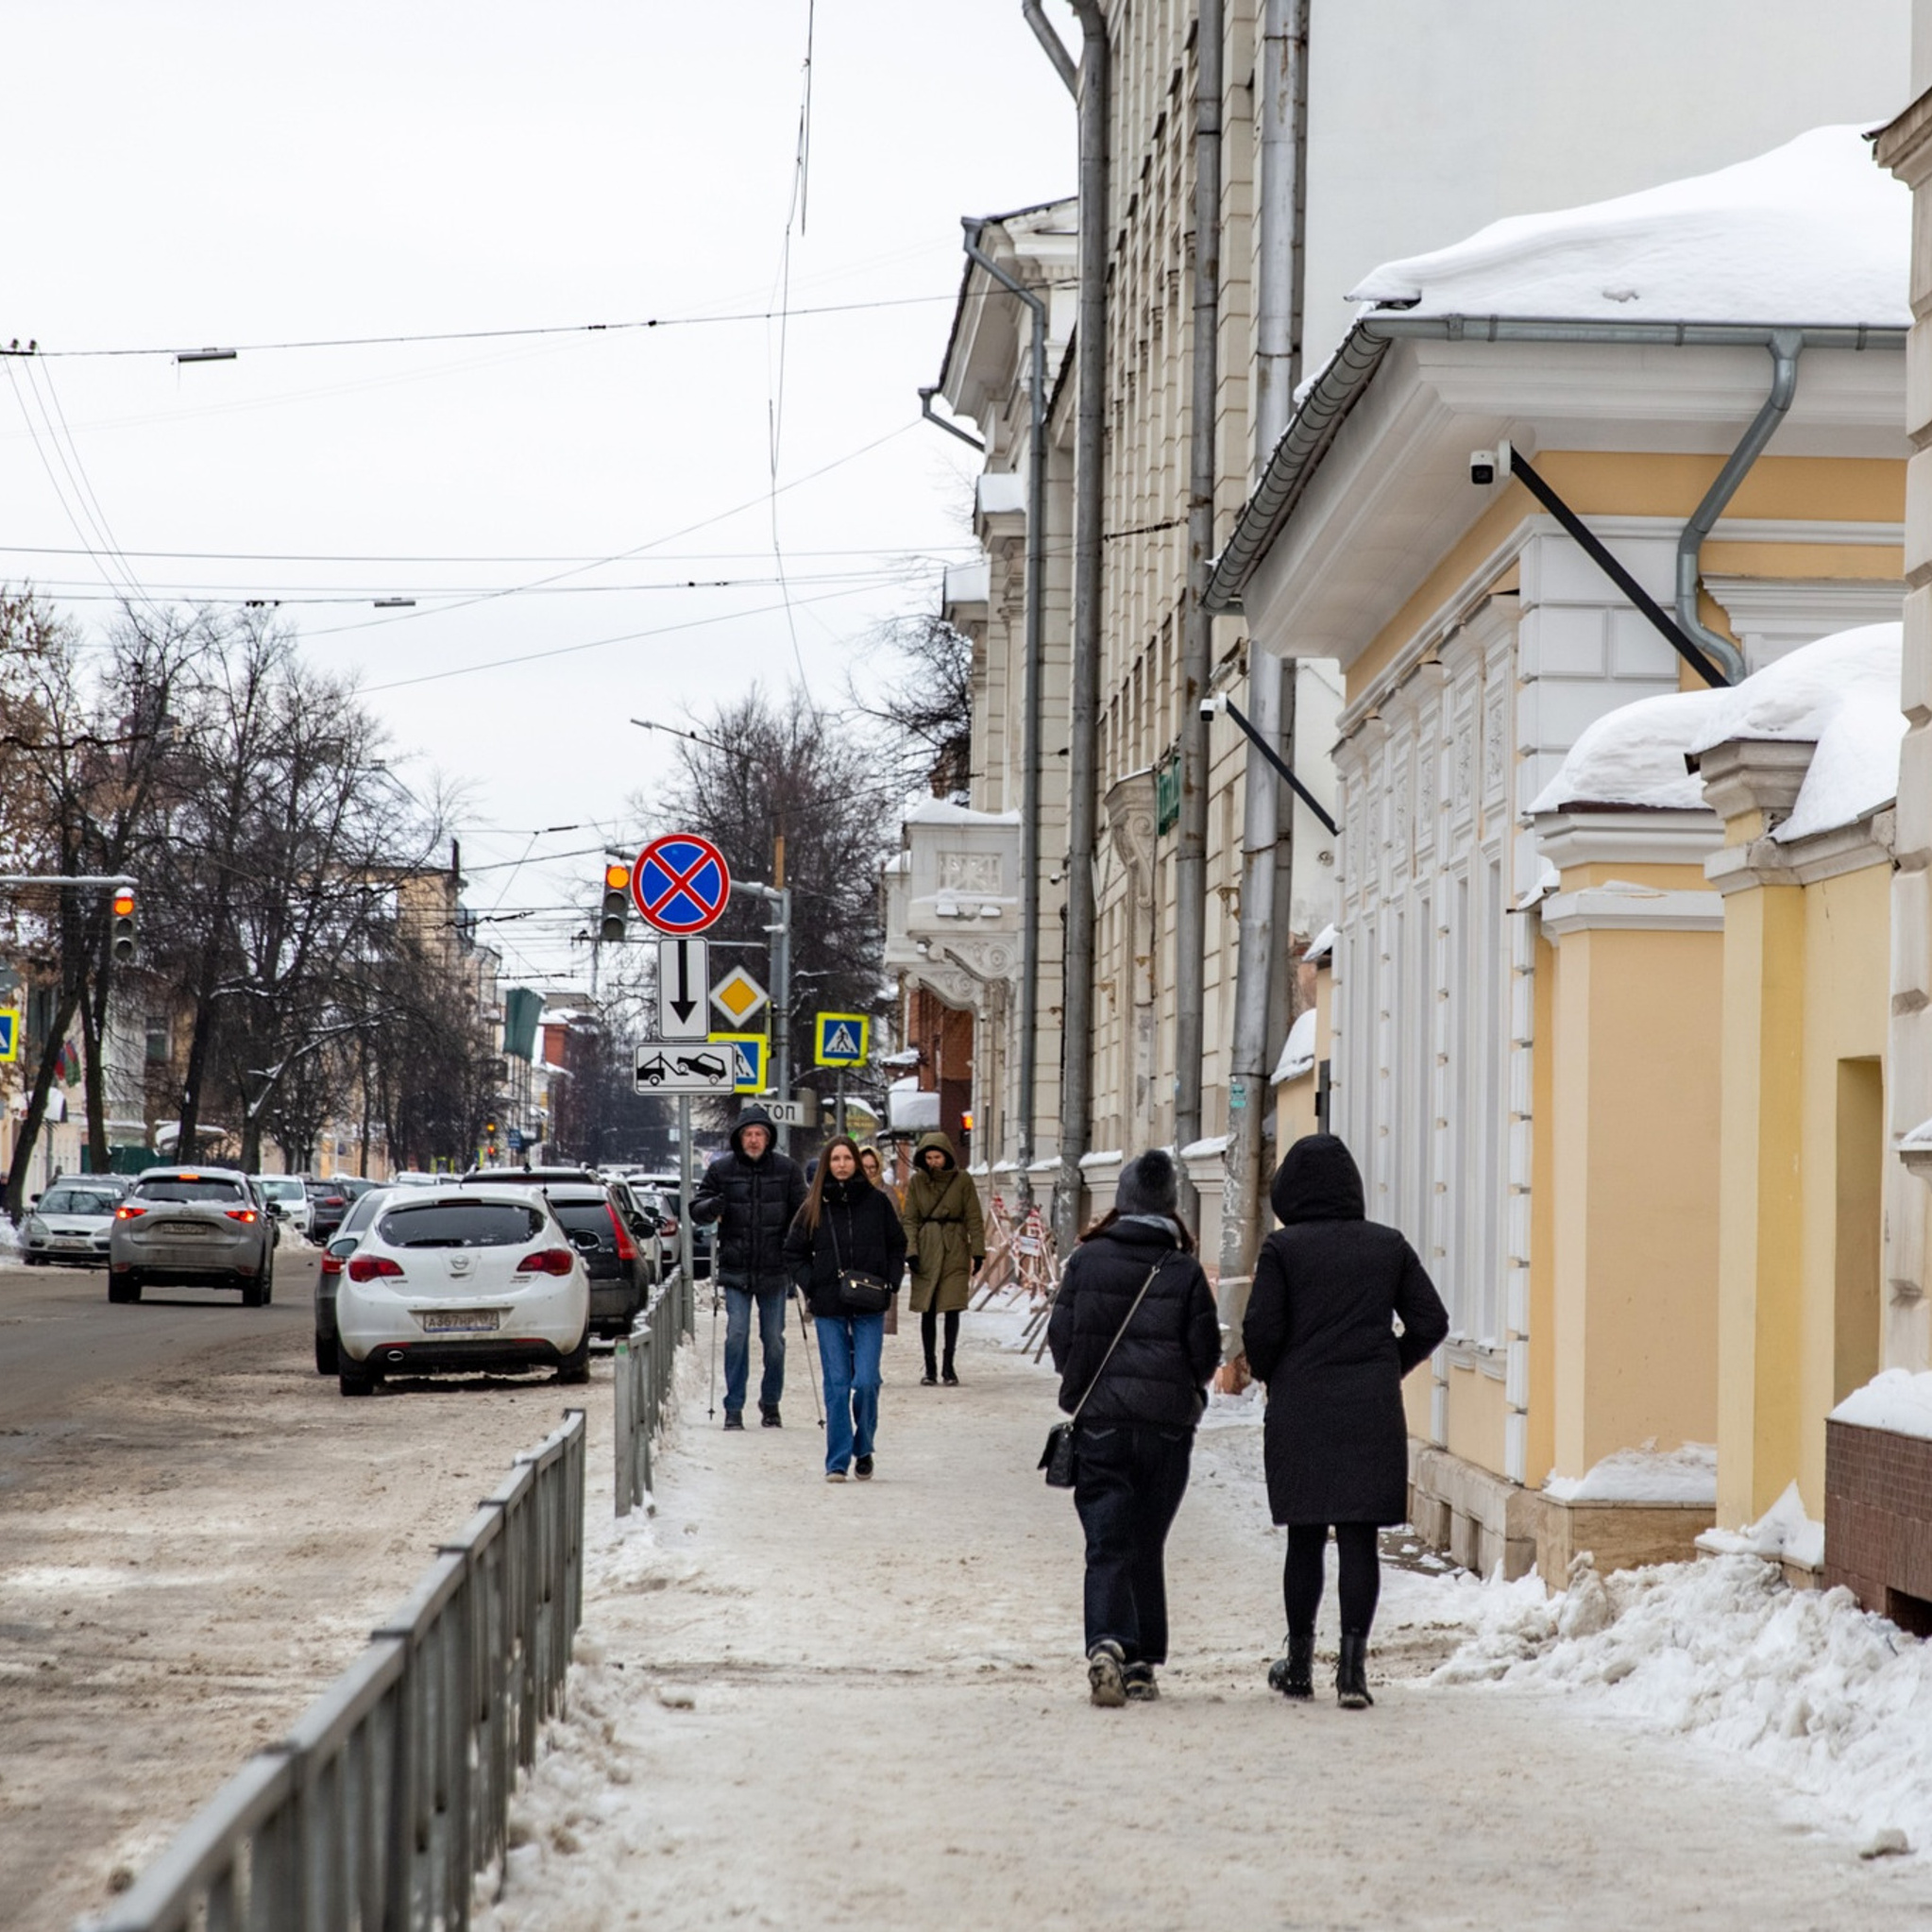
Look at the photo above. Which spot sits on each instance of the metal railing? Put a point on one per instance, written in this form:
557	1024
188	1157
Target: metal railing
393	1789
646	1362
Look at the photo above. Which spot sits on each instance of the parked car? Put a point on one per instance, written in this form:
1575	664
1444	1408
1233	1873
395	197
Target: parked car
415	1176
620	1276
195	1227
336	1253
329	1203
290	1193
69	1224
461	1280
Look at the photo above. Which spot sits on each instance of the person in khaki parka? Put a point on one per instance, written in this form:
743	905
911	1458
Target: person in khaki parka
945	1244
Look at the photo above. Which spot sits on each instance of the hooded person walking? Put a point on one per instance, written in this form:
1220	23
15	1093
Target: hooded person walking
753	1194
846	1250
1329	1286
1135	1337
945	1239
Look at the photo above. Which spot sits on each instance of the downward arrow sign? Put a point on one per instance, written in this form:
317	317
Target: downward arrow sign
682	969
683	1003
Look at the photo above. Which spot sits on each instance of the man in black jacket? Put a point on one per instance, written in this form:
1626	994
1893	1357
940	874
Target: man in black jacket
752	1193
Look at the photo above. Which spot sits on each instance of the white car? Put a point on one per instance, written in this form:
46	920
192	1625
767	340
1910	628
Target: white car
288	1194
458	1280
69	1223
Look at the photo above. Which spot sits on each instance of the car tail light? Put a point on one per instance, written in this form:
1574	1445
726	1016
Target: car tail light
627	1248
366	1267
331	1264
128	1213
548	1260
333	1201
240	1213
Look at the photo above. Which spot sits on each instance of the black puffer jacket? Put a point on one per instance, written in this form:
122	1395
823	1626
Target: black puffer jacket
753	1203
858	1228
1329	1286
1158	1374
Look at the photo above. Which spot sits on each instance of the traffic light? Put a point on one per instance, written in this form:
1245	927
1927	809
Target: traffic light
126	942
616	902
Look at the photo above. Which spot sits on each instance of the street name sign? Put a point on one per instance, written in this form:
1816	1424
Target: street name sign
798	1113
749	1052
684	1066
684	971
737	996
681	884
842	1040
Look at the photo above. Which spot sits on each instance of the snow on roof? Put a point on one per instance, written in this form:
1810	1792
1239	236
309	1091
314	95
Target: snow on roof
1298	1050
1841	694
1811	233
1321	945
936	811
1684	1475
1896	1400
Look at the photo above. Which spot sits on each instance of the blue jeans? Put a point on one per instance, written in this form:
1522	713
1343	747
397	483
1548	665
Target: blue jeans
849	1348
738	1346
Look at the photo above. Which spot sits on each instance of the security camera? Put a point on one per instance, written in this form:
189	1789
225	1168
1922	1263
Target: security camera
1485	465
1212	705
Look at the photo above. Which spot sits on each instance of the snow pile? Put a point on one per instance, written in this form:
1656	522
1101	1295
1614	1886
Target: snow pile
1686	1475
1804	1682
1782	1532
1811	233
1896	1399
1841	694
1298	1050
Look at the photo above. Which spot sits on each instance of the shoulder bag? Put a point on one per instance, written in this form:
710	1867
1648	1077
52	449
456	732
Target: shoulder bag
1059	1457
858	1293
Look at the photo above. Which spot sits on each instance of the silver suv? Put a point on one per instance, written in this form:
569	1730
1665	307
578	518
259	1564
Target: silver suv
199	1226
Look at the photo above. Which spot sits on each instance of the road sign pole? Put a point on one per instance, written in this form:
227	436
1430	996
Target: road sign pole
838	1105
781	1005
684	1211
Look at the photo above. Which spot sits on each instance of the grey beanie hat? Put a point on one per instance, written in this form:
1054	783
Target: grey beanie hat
1149	1185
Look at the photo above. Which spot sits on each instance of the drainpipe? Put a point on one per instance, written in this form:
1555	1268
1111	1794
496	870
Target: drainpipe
1784	345
1281	214
1032	697
1197	653
939	422
1056	47
1083	742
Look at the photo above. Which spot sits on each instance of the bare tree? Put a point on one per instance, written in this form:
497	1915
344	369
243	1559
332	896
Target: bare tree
926	706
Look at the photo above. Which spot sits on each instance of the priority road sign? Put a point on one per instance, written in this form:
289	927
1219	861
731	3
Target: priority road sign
737	996
684	968
683	1066
751	1052
9	1033
842	1040
681	883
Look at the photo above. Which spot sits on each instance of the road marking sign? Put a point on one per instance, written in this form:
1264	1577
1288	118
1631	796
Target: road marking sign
751	1051
681	883
684	968
683	1066
9	1033
737	996
842	1040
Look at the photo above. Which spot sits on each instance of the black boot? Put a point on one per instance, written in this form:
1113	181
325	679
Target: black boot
1351	1672
1293	1673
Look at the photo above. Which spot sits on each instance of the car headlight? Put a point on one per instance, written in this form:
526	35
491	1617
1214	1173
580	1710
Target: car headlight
36	1228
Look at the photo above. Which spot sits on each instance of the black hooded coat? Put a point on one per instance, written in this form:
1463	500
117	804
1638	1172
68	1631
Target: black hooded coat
1329	1286
755	1203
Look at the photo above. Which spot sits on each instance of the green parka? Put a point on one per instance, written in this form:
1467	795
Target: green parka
945	1237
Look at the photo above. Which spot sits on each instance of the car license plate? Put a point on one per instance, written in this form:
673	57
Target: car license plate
70	1241
460	1321
184	1231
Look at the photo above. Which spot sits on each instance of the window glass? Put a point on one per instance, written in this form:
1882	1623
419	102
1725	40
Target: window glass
201	1189
586	1217
364	1211
460	1224
275	1190
66	1201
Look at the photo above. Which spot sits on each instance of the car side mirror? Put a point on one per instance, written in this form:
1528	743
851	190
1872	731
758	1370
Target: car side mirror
585	1242
33	1200
275	1211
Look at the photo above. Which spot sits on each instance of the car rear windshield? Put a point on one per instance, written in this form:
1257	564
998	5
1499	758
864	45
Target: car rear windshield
183	1189
460	1224
281	1190
586	1217
71	1201
364	1211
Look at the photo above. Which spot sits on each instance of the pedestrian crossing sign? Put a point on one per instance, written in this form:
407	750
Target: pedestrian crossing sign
751	1052
9	1033
842	1039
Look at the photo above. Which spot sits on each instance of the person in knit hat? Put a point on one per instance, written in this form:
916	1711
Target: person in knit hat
1135	1338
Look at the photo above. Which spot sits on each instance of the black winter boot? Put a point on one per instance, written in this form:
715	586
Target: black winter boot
1351	1672
1293	1673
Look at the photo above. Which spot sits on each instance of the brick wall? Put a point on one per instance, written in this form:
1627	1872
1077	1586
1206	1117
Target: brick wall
1879	1521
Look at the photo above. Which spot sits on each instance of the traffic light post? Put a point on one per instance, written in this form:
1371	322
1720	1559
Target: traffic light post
126	938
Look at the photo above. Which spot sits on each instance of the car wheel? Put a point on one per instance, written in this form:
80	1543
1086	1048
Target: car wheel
267	1279
124	1287
574	1369
255	1292
354	1378
326	1359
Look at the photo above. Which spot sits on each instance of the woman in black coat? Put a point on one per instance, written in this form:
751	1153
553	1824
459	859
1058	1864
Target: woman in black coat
846	1226
1135	1429
1329	1288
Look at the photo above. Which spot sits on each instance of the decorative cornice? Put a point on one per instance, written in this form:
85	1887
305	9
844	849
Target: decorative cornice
1627	838
1804	861
1905	145
1621	907
1762	775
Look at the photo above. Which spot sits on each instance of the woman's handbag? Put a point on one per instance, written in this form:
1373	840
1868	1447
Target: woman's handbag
1059	1458
858	1293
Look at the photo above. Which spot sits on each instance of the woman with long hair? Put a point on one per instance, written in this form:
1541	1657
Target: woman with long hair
846	1250
874	1164
1135	1337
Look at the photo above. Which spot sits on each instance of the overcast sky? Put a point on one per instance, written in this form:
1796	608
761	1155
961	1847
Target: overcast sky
227	174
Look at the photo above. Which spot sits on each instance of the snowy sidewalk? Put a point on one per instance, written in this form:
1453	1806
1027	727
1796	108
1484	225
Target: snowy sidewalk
809	1704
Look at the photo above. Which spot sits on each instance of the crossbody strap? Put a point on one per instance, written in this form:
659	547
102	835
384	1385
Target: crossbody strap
1118	1332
